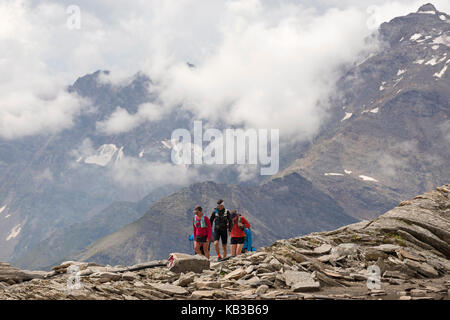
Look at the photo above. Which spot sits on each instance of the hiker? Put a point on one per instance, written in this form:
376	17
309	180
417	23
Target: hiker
221	218
248	242
202	231
238	232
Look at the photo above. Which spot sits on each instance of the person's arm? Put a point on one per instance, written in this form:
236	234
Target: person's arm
213	216
245	223
208	225
230	222
193	225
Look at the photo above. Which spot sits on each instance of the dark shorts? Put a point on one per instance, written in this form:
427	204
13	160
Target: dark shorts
221	234
237	240
201	239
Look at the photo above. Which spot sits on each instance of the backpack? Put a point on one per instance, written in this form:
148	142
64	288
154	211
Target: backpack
202	221
220	221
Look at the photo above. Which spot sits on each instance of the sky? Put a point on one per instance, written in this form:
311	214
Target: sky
260	64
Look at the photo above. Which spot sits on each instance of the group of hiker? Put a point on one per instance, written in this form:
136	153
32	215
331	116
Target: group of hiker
225	224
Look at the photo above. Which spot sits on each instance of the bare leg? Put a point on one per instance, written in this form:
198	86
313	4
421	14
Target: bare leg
216	246
224	247
239	248
197	247
206	249
233	249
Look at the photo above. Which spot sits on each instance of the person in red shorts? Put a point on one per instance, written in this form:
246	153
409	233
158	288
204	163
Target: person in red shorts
238	233
202	231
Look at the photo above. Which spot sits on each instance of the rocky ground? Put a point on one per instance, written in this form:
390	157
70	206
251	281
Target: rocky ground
408	247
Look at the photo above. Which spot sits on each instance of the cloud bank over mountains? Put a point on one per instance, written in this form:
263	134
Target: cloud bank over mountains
260	64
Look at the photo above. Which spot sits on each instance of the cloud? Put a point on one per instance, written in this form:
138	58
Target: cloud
141	174
269	64
33	98
121	121
274	68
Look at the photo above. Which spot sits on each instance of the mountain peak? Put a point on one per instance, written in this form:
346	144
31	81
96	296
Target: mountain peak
427	8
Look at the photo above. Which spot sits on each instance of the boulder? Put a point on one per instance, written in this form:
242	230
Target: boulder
236	274
182	262
422	268
185	279
343	250
106	276
261	290
203	294
323	249
300	281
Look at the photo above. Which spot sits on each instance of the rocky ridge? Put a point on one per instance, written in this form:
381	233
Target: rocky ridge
409	246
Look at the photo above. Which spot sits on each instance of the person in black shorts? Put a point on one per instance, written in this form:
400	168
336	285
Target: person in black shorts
221	218
238	233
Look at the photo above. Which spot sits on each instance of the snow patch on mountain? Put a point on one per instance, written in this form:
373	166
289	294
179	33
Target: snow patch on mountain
442	72
432	61
415	37
333	174
2	209
104	155
442	39
14	232
367	178
348	115
169	144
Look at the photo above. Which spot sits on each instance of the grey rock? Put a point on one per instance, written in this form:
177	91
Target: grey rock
422	268
300	281
181	262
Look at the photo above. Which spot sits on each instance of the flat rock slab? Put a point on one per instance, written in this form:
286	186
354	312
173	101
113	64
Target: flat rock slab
169	289
422	268
203	294
300	281
182	262
323	249
236	274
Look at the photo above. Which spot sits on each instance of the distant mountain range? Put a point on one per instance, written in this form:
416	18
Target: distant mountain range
386	140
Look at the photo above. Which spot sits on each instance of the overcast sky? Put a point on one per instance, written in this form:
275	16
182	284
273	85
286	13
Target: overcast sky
258	63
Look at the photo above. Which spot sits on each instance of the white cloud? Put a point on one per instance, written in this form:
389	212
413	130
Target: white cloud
121	121
33	98
258	63
272	69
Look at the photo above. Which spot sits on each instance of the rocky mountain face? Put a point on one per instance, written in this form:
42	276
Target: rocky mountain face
281	208
53	186
68	241
49	182
387	140
403	254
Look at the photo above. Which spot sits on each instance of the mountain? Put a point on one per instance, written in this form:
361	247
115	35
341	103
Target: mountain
383	144
50	181
68	241
384	141
402	255
389	134
281	208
